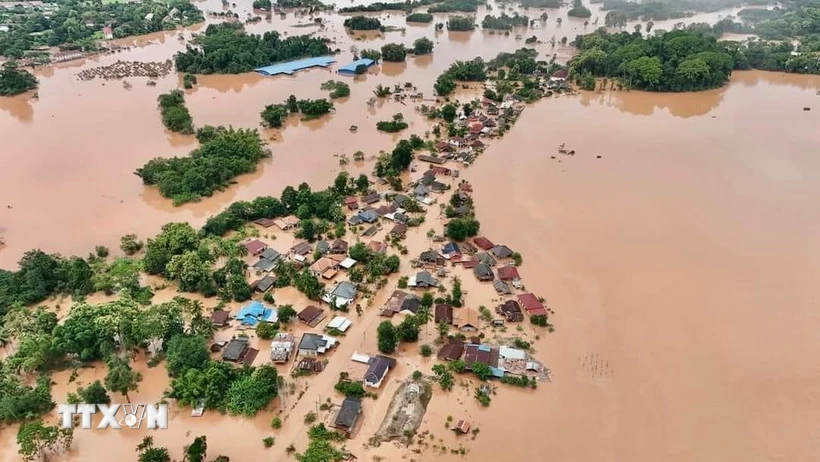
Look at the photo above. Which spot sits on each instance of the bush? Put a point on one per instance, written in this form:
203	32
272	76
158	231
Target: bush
394	52
523	344
130	244
266	330
268	442
426	351
417	375
349	388
388	337
94	394
276	423
362	23
460	23
175	115
310	417
420	17
393	126
375	55
423	46
539	320
337	89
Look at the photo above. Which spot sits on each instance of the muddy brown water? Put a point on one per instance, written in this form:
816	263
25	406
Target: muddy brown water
683	259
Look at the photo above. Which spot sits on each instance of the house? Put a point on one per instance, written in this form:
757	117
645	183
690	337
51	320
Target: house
255	247
483	243
485	258
270	254
351	203
476	145
531	303
286	223
441	146
264	265
462	427
399	200
508	273
457	141
385	210
339	323
399	230
371	198
410	304
444	313
429	256
303	248
255	312
559	76
511	311
368	216
370	232
220	318
312	344
476	128
439	170
281	347
422	279
502	287
393	304
324	267
235	350
377	247
342	295
450	249
322	247
420	191
483	272
339	246
311	315
481	353
451	351
66	55
433	159
108	34
466	320
348	263
263	285
502	251
264	222
348	414
377	370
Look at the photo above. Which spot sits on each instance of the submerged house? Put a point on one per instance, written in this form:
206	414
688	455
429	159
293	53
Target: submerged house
422	279
511	311
348	414
263	285
286	223
531	303
281	347
255	246
451	351
483	272
255	312
342	295
311	315
378	368
444	313
312	344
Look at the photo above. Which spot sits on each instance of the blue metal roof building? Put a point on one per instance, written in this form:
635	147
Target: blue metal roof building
351	68
290	67
255	312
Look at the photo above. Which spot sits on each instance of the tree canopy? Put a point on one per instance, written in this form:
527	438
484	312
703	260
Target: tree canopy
226	49
362	23
175	115
14	81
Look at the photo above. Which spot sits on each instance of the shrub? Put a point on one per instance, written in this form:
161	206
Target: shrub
426	351
268	442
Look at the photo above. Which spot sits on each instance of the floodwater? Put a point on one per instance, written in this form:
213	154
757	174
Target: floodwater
683	258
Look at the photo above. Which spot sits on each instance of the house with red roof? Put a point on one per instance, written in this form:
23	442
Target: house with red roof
531	303
255	247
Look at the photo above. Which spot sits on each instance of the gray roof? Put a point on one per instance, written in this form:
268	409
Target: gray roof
265	283
425	277
368	216
270	254
371	231
502	251
482	271
420	190
264	265
411	303
485	258
428	256
400	199
234	349
311	341
501	287
349	413
345	289
378	368
322	246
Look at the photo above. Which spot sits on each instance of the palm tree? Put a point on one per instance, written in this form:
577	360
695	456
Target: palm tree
443	329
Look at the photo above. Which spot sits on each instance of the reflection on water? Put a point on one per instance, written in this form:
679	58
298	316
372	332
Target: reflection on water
21	107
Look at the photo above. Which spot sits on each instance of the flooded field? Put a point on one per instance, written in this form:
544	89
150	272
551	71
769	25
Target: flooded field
684	257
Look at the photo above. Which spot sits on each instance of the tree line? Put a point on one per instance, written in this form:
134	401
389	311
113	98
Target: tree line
226	49
14	81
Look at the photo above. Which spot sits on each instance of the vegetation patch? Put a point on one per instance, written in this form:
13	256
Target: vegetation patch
14	81
175	115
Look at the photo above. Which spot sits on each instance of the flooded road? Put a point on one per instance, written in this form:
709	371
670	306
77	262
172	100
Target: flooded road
685	256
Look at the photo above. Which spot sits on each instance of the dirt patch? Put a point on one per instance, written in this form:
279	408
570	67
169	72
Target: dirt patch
405	413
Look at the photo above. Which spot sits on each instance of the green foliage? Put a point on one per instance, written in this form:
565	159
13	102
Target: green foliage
504	22
420	17
274	115
94	394
320	451
130	244
392	126
149	453
394	52
579	10
252	392
539	320
388	337
266	330
448	112
276	423
444	377
310	417
185	352
268	441
458	366
386	6
350	388
262	5
362	23
417	375
188	81
518	380
36	440
426	351
175	115
423	46
320	432
521	343
286	313
460	229
224	50
209	384
337	88
483	398
14	81
209	168
408	330
21	402
460	23
450	6
468	71
375	55
308	284
197	450
402	282
120	377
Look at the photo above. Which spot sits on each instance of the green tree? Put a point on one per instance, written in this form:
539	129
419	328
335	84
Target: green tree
375	55
647	71
186	352
443	329
423	46
197	450
14	81
456	295
448	112
426	351
481	370
94	394
36	440
150	453
388	337
120	377
286	313
408	330
252	392
394	52
130	244
274	115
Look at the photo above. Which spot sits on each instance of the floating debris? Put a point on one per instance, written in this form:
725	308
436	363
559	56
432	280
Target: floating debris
122	69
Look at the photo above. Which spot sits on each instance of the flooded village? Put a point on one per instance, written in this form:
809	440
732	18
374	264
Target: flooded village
631	252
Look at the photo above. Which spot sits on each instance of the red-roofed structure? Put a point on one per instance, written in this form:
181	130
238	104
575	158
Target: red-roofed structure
255	247
531	303
508	273
483	243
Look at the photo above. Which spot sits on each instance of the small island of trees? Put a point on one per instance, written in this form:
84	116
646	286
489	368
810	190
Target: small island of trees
226	49
454	6
226	154
460	23
262	5
392	126
175	115
274	115
504	22
362	23
464	71
422	46
337	89
394	52
14	81
579	10
420	17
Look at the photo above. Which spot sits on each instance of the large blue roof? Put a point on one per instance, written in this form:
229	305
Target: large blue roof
352	66
292	66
